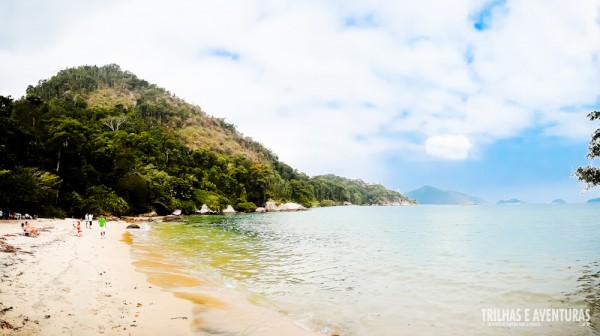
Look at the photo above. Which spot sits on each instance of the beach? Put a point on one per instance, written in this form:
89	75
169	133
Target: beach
59	283
348	271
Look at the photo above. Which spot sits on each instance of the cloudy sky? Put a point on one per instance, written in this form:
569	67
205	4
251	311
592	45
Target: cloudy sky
485	97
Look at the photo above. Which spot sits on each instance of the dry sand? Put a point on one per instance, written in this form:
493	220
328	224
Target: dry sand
62	284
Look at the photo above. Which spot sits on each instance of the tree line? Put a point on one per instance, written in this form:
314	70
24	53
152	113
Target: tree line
98	139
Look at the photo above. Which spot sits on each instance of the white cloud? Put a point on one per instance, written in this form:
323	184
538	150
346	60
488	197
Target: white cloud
333	98
452	147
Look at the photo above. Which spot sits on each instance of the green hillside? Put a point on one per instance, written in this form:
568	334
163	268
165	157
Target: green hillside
99	139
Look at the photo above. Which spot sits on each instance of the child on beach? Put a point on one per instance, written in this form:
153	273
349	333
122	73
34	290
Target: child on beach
78	229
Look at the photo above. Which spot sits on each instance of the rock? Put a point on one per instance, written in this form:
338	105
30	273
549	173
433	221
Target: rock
291	207
204	210
133	226
260	210
229	210
271	206
149	214
176	212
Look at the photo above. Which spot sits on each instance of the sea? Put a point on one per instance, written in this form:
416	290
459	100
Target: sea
527	269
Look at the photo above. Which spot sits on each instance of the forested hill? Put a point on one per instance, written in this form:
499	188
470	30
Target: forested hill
99	139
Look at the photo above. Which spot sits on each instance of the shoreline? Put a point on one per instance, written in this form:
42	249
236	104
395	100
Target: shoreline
60	283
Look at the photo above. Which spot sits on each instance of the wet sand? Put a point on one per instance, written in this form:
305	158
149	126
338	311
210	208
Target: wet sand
62	284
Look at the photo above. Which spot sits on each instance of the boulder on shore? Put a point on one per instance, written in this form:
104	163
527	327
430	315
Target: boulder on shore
260	209
149	214
229	210
204	210
273	207
291	207
133	226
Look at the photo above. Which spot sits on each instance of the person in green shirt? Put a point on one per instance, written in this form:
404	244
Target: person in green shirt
102	223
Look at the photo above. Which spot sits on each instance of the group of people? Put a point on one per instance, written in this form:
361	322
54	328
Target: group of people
89	219
9	214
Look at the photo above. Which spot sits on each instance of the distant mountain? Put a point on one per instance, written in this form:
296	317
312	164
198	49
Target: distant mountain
431	195
559	201
511	201
594	200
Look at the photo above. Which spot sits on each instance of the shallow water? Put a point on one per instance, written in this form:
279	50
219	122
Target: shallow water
391	270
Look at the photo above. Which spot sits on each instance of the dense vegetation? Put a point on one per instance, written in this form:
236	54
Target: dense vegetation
590	174
99	139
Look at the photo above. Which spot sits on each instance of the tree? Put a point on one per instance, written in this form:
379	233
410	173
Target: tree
302	192
103	200
590	174
114	122
100	139
29	189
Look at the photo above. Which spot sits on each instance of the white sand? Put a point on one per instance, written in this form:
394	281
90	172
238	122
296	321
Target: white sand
62	284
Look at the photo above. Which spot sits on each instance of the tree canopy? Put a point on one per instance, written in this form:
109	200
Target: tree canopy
98	139
590	174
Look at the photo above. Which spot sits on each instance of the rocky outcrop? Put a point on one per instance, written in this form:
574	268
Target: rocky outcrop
205	210
229	210
273	207
149	214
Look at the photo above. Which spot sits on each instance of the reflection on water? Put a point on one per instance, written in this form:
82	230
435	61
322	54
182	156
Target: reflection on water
392	270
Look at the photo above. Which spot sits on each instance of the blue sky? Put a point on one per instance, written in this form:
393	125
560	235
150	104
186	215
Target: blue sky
484	97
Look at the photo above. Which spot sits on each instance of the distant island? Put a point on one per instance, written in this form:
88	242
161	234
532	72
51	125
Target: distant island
594	200
431	195
559	201
511	201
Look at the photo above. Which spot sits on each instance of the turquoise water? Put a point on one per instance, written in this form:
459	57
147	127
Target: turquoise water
411	270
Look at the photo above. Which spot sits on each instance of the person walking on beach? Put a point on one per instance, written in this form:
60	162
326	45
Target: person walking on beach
102	223
91	218
86	218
